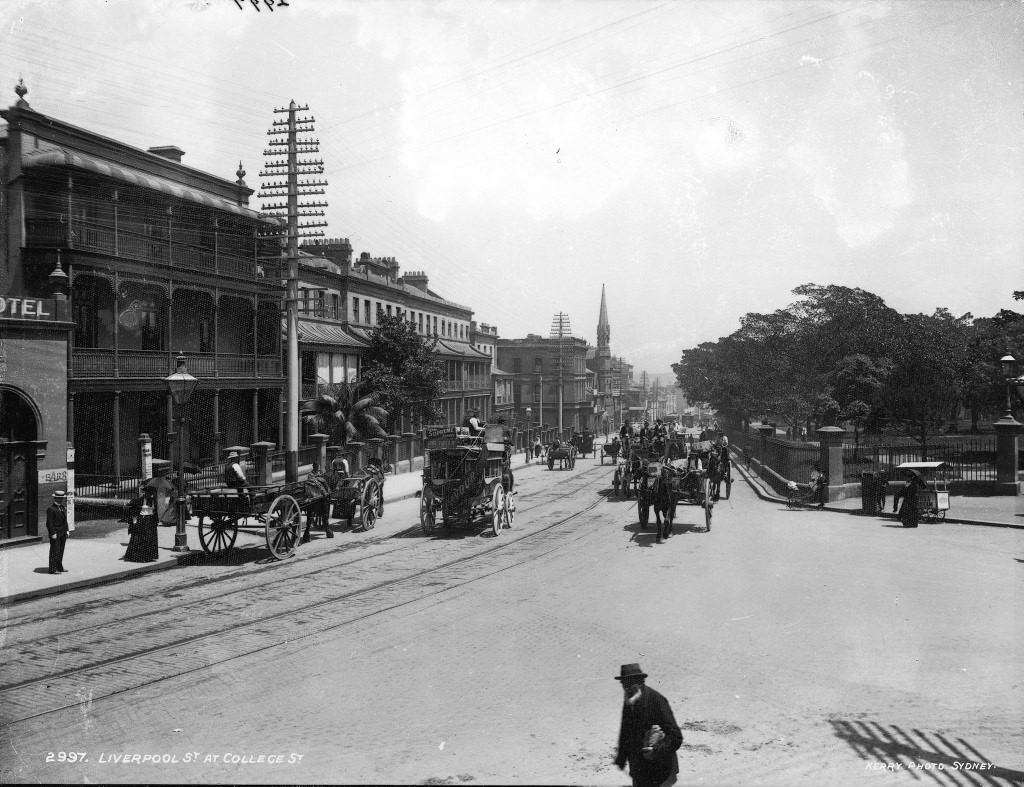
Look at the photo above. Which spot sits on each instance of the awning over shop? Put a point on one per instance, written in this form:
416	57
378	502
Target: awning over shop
56	156
328	335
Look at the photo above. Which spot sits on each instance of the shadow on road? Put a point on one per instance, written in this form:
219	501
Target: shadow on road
890	747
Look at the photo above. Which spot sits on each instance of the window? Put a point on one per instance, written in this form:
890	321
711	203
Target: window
435	326
388	307
335	306
355	310
369	316
421	322
517	365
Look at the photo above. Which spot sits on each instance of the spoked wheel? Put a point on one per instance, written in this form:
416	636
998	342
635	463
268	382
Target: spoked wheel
510	508
218	536
708	503
368	505
497	509
428	516
284	523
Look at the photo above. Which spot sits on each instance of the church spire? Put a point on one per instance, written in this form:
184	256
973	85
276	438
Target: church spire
604	331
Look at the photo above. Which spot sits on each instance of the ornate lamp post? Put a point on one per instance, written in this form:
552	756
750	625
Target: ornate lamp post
1007	428
181	384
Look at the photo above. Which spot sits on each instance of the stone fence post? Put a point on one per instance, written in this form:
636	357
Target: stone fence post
358	457
1007	458
410	442
764	431
320	455
830	460
260	457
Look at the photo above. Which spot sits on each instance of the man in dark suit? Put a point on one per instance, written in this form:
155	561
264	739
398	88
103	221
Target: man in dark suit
57	528
652	762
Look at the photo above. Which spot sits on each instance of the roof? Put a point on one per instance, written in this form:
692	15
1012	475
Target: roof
321	333
56	156
920	465
462	349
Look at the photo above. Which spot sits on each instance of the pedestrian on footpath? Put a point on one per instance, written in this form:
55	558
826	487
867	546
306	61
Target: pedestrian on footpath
910	513
57	528
648	736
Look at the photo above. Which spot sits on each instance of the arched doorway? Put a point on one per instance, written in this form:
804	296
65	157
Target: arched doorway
19	427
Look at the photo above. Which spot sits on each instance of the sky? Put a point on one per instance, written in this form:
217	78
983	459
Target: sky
698	159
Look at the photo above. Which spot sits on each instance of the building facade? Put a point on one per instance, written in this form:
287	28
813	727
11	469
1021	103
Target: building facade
344	299
160	258
550	378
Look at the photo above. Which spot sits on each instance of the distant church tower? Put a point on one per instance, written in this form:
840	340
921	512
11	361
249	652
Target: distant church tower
603	356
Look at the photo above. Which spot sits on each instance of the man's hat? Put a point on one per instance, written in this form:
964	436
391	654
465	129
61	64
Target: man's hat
631	671
59	495
233	455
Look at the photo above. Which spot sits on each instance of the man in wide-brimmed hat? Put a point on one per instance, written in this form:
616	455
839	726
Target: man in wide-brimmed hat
649	736
57	529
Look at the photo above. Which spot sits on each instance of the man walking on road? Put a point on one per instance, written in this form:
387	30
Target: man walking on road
649	736
57	528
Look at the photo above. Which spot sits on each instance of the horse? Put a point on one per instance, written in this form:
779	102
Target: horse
664	498
627	474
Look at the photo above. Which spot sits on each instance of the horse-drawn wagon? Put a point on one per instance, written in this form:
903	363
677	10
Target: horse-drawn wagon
466	478
564	452
359	498
278	508
584	443
663	485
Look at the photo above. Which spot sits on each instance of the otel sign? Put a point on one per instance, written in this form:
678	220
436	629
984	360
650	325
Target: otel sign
26	308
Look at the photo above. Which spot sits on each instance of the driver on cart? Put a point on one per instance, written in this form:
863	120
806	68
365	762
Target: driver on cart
476	426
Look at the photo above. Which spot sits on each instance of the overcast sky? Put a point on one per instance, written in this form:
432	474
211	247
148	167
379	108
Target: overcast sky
700	159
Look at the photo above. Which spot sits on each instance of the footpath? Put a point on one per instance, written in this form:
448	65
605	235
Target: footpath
95	551
1005	511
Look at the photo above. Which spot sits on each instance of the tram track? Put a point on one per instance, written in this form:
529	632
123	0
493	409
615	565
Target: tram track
151	643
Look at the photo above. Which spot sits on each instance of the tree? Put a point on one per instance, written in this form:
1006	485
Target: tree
926	382
400	366
984	390
856	381
347	413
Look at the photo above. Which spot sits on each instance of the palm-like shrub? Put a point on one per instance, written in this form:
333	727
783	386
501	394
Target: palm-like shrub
347	414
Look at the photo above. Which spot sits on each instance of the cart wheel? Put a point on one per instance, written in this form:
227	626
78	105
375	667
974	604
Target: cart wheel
284	521
643	508
708	503
219	536
428	516
368	506
497	509
510	508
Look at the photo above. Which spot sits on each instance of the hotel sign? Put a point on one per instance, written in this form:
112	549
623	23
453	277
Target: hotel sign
26	308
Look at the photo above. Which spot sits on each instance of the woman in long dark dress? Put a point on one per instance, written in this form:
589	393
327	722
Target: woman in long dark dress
910	515
142	532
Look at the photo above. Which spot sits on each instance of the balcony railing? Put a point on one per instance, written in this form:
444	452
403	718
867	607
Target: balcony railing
106	364
43	233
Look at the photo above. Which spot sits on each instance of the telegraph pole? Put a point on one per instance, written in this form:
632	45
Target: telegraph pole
292	167
560	329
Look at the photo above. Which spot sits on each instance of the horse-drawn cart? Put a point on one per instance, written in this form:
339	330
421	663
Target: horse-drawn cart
359	498
610	450
278	508
466	478
584	443
564	453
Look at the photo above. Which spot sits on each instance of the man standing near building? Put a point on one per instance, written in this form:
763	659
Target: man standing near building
649	736
57	528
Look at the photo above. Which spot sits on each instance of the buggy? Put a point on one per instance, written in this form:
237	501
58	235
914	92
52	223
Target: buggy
564	452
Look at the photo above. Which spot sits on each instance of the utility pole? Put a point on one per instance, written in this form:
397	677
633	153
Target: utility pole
561	330
292	168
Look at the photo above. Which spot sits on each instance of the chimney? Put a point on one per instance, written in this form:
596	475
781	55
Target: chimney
169	152
417	279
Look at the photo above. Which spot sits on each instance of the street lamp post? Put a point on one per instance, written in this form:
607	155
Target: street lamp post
181	384
1009	363
1007	429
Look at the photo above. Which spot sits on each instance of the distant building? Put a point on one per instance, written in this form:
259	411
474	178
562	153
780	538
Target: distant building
550	377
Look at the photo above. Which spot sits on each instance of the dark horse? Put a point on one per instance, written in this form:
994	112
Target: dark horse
659	490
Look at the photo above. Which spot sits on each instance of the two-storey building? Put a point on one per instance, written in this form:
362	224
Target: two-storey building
160	258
